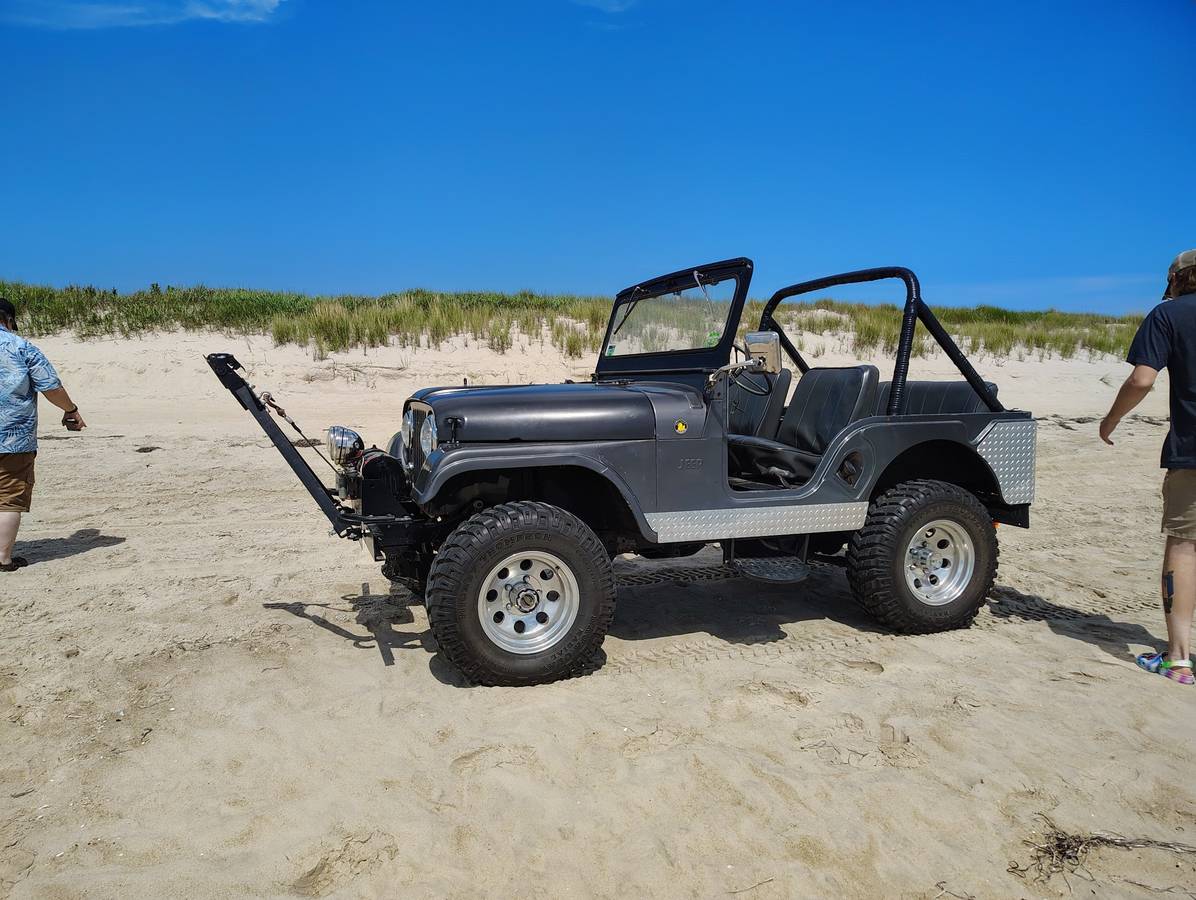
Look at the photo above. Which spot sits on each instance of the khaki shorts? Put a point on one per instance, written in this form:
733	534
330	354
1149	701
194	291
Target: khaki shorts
16	481
1179	504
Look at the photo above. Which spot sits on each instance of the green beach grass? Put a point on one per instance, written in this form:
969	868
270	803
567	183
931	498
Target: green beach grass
573	324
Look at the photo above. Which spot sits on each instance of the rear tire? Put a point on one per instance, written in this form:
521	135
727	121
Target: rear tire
925	559
521	593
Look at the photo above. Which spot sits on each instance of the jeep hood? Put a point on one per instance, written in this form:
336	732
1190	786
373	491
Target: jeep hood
542	412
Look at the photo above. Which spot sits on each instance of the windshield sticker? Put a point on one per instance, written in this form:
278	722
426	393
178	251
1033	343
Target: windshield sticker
712	338
610	351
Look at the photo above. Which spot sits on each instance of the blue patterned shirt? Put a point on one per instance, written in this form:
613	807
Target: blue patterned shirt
24	371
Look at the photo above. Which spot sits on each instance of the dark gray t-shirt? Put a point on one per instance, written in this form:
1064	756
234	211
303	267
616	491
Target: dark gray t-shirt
1166	339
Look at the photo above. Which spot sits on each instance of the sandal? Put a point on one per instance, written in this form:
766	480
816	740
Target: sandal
1160	665
18	562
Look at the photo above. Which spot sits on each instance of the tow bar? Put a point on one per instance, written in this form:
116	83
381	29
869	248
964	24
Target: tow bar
345	522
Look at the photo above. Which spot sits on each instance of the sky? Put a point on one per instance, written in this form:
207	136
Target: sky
1024	154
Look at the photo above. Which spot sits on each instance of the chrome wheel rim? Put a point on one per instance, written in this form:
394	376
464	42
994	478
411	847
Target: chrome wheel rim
528	602
939	562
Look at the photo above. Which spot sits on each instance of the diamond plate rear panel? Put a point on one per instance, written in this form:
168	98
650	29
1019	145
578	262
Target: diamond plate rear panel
1009	447
713	524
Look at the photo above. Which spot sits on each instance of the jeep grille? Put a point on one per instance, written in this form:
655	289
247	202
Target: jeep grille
415	453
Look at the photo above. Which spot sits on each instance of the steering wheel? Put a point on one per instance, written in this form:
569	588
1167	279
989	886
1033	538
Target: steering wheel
753	389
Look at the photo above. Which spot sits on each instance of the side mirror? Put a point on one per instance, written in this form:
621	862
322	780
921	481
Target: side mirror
766	347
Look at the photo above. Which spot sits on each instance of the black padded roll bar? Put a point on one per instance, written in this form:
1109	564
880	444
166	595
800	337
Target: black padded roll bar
915	309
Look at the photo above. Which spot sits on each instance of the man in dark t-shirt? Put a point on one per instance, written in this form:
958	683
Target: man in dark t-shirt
1167	340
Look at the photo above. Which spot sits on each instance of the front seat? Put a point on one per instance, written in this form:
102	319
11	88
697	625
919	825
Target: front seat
755	401
825	402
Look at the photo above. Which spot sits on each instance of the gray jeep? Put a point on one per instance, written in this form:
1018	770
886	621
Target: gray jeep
504	505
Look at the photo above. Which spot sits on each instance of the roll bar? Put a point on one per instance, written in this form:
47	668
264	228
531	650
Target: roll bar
915	309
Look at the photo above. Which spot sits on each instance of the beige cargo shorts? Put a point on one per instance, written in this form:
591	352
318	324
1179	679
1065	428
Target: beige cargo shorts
16	481
1179	504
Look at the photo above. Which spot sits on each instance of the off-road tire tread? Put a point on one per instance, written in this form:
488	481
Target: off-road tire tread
451	568
870	554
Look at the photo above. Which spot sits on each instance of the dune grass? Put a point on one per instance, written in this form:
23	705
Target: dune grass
573	324
978	329
328	323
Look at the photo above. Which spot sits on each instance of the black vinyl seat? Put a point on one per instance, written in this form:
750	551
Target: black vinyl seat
934	398
755	401
824	403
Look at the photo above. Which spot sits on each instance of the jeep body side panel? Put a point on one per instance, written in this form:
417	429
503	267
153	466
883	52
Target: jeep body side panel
678	489
693	505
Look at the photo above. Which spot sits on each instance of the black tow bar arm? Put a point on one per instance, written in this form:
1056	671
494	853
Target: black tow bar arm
225	366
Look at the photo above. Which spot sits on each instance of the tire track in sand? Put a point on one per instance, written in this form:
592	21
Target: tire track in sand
1005	605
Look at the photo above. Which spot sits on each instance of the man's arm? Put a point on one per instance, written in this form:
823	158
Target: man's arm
1133	392
45	380
60	398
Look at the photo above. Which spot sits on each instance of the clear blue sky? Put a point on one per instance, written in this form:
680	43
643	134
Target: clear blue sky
1026	154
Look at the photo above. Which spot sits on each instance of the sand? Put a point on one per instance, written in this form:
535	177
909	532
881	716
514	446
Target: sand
204	695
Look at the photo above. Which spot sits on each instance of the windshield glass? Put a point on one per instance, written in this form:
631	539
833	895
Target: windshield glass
688	319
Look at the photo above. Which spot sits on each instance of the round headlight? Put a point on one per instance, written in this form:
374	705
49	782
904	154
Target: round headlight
344	444
427	435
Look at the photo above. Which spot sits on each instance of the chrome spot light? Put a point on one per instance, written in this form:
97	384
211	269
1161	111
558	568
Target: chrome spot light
344	444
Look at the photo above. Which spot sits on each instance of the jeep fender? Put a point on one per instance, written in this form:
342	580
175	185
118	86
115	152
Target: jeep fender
999	450
463	459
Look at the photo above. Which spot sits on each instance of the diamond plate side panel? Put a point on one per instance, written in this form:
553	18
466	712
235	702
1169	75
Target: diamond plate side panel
1009	448
713	524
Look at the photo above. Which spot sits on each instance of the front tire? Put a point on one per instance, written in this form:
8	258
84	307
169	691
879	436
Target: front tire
521	593
925	559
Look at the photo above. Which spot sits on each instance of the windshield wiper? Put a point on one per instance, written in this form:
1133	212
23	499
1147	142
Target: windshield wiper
631	305
706	294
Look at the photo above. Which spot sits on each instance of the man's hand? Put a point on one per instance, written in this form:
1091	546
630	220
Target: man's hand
73	421
1107	426
1135	389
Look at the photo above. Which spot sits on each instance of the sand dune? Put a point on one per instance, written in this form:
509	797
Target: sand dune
204	694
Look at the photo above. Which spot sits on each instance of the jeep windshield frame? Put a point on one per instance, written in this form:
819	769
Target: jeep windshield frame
690	361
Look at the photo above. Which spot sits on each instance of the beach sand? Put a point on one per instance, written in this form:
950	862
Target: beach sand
202	694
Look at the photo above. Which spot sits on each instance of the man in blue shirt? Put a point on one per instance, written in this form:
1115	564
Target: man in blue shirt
24	373
1167	340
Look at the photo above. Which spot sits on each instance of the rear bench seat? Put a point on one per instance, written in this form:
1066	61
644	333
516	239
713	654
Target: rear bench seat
934	397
